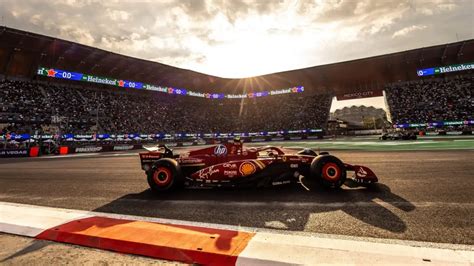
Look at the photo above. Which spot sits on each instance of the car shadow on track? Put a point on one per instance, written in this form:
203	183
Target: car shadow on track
288	207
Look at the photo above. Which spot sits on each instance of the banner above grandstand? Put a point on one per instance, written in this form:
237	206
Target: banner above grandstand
445	69
62	74
436	124
359	95
155	136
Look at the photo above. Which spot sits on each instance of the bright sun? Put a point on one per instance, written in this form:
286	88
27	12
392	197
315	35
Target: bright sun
249	48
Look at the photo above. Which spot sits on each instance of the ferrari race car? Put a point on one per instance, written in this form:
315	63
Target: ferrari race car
232	165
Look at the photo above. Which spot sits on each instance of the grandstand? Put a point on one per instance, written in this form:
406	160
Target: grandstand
31	103
440	99
110	111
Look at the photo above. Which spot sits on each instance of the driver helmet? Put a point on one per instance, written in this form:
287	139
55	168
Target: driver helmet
237	139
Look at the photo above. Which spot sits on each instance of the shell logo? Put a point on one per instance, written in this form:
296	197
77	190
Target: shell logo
247	169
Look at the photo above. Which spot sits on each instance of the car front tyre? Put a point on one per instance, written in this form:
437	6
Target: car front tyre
329	171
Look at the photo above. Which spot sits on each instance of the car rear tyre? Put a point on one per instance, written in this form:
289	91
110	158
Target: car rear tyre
329	171
165	175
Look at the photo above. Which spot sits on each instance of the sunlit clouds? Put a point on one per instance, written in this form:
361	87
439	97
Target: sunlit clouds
231	38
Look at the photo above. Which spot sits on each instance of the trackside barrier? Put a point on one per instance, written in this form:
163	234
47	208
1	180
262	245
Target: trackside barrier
34	151
99	148
25	152
63	150
91	148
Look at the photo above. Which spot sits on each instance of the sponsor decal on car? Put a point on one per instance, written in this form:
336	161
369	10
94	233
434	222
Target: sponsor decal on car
207	172
295	159
277	183
363	181
230	173
150	156
191	160
247	168
361	172
220	150
259	164
230	165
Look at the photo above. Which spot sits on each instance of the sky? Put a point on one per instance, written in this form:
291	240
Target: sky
378	102
237	38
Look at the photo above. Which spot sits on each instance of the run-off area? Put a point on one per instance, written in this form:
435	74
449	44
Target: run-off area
423	195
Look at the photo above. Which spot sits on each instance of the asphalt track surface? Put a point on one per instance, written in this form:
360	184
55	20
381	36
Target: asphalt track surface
423	195
18	250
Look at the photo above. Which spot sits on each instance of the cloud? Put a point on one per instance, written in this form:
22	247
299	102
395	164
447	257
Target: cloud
235	38
408	30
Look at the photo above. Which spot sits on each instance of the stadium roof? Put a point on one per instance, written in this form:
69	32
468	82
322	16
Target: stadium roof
21	53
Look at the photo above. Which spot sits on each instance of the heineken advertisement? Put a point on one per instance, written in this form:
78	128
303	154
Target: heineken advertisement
161	135
62	74
444	69
436	124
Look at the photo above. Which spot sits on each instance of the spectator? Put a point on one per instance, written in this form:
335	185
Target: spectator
30	107
431	100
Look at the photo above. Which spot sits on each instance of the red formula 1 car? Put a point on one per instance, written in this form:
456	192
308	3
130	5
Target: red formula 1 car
232	165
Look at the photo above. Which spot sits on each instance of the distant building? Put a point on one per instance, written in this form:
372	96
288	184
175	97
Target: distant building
361	116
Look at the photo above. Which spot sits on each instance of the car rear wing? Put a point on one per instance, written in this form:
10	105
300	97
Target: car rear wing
148	158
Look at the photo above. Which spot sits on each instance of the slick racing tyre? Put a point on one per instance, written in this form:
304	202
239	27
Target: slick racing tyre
165	175
329	171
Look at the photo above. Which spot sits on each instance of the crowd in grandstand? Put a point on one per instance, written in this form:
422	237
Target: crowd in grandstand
431	100
32	107
29	107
